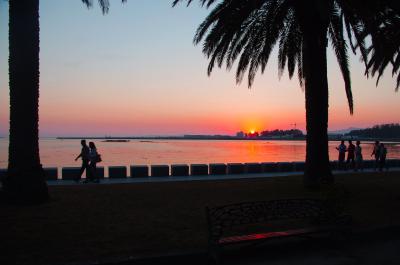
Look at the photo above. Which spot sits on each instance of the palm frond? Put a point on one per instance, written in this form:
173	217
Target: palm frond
206	3
379	20
338	41
385	48
290	46
246	32
104	4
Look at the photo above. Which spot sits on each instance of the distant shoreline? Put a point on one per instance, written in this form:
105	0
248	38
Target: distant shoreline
231	138
218	137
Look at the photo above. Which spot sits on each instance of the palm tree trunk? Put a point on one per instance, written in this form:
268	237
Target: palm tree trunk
317	167
25	180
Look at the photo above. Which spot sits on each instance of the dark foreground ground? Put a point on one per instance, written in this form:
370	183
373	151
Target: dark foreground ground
88	224
372	247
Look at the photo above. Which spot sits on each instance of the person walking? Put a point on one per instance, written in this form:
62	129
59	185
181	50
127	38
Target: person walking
375	153
94	158
382	156
84	155
342	154
350	154
358	157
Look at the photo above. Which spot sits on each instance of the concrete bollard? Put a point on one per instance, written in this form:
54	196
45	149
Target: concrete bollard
179	170
235	168
252	168
391	163
100	172
139	171
198	169
117	172
217	169
269	167
299	166
51	173
369	164
70	173
159	170
285	167
334	165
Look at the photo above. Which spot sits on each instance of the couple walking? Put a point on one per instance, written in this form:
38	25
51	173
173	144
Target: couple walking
90	158
354	155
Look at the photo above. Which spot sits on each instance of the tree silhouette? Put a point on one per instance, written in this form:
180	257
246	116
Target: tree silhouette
25	180
246	32
383	131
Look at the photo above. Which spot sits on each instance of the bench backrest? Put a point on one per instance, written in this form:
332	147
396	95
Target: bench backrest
224	218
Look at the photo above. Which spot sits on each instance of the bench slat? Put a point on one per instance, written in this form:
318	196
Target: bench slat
258	236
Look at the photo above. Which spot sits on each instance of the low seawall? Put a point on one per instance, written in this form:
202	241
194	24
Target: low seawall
180	170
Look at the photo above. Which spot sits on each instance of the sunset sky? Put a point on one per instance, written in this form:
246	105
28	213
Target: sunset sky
136	71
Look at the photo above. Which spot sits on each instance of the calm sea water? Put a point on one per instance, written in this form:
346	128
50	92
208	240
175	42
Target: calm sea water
60	153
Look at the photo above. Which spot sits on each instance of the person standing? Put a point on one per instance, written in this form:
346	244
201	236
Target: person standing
358	156
84	155
94	158
382	156
342	154
375	153
350	154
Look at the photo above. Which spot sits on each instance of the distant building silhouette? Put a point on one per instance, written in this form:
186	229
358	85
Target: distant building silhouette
253	135
240	134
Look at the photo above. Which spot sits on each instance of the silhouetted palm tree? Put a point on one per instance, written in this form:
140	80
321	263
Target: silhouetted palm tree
25	181
247	31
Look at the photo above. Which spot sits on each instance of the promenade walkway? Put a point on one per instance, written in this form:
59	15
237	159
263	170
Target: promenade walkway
160	220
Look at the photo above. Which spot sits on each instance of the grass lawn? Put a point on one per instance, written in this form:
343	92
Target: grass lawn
97	222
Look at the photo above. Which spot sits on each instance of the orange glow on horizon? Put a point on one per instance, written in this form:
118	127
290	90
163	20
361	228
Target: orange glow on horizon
253	125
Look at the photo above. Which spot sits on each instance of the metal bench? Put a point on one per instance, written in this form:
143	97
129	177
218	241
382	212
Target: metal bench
250	222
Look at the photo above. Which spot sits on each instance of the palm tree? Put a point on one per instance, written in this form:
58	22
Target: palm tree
247	30
25	181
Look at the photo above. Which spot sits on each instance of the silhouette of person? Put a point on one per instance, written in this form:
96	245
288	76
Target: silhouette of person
84	155
359	157
342	154
375	153
350	153
382	156
93	157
